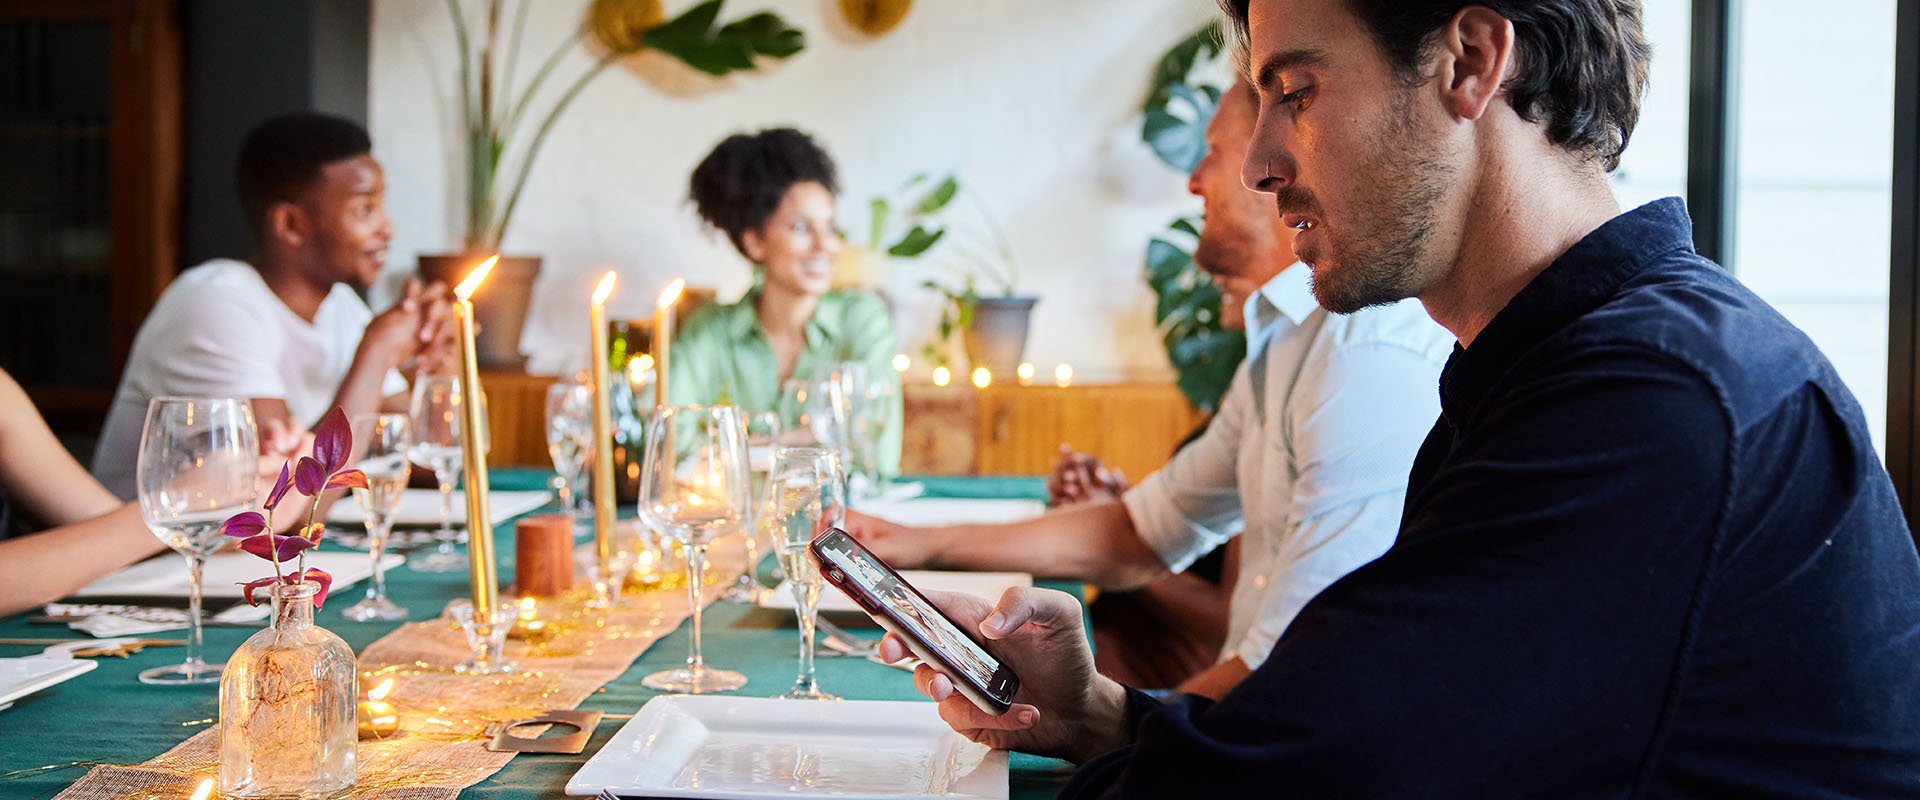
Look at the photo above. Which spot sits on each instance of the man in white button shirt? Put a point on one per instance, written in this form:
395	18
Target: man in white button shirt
288	331
1311	447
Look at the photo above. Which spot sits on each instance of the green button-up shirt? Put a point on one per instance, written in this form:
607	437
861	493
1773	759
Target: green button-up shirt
721	353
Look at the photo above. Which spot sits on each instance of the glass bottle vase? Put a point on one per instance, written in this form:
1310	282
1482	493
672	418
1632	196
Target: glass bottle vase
287	724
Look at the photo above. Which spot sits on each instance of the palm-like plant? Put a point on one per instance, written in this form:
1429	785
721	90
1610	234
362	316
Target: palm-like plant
495	111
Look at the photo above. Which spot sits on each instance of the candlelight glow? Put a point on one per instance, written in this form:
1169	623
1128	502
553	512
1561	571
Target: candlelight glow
605	289
1025	372
526	608
981	377
941	376
205	790
1063	375
901	362
380	692
671	294
638	367
472	283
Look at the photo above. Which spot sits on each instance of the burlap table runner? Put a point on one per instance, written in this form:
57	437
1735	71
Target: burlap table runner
445	716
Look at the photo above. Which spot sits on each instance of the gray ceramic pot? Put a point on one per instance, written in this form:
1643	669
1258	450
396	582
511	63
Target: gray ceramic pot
997	337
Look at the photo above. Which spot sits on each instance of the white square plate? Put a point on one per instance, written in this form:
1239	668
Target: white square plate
422	507
752	747
20	677
165	576
925	512
989	585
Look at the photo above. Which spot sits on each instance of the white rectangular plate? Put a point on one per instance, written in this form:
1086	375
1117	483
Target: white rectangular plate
20	677
752	747
989	585
165	576
931	511
422	507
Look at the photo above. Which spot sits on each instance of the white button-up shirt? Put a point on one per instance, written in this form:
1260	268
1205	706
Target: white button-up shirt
1310	449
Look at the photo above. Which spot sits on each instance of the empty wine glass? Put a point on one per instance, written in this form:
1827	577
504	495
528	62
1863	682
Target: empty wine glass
806	494
436	446
763	438
198	465
570	437
693	485
387	439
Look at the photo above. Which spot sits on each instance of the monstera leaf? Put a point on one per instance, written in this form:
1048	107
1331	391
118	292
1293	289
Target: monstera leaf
692	38
1187	312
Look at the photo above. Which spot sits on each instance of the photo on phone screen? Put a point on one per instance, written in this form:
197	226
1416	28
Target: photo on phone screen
878	582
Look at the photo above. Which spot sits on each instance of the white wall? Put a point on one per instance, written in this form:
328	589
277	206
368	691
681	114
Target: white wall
1033	103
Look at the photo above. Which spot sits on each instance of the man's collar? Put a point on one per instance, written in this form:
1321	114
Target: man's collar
1576	283
1288	294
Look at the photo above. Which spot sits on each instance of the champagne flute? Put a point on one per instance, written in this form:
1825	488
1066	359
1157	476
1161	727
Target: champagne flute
693	485
198	465
436	446
570	437
806	494
387	439
763	438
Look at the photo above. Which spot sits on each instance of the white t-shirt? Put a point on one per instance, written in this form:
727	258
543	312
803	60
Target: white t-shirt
219	331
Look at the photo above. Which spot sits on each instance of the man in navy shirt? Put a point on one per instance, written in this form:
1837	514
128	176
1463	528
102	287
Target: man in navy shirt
1647	551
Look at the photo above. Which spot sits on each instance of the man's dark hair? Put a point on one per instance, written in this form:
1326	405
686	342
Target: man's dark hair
740	184
1581	65
283	155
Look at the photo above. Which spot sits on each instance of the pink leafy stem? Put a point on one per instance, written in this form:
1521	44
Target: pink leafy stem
312	475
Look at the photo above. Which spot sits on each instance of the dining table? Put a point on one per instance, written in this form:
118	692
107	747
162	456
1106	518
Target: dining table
51	738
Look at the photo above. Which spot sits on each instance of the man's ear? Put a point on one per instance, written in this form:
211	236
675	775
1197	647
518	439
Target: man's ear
286	224
1475	54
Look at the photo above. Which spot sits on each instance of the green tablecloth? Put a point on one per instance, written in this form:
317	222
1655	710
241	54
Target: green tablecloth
108	716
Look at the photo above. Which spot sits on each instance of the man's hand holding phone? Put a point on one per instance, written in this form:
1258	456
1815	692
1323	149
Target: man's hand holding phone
1063	709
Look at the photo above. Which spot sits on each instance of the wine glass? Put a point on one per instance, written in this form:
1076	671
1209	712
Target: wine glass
763	438
693	485
198	465
570	437
436	446
806	494
387	439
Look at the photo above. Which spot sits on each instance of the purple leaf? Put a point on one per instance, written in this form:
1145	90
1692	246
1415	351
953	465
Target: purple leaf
309	476
280	486
332	441
248	588
273	546
244	524
319	576
348	479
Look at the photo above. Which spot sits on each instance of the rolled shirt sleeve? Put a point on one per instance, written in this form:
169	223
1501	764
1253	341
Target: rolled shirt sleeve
1192	505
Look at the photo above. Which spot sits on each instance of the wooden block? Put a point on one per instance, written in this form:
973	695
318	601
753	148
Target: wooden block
542	555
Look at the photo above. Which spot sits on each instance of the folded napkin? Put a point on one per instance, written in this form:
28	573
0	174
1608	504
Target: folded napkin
108	621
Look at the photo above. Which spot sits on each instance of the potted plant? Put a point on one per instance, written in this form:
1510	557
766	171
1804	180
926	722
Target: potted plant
992	324
1187	310
504	124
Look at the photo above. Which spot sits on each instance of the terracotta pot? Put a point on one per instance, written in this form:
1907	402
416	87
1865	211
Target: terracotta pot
499	306
997	337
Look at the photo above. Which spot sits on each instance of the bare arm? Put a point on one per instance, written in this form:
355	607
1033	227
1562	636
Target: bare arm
1216	680
42	478
49	565
1093	542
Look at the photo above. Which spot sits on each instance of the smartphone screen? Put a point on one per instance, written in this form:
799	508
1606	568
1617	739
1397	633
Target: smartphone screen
869	576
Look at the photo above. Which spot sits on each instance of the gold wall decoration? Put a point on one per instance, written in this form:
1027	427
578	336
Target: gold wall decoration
874	17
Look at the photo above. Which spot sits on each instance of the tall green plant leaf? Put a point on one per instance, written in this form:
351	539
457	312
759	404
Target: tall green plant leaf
1187	308
1175	65
1177	131
692	38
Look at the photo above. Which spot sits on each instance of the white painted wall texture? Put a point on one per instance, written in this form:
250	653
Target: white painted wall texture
1034	104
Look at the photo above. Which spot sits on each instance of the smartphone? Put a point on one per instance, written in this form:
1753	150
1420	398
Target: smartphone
904	612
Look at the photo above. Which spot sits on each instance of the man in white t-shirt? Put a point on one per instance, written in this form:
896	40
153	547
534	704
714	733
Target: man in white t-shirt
1310	449
288	331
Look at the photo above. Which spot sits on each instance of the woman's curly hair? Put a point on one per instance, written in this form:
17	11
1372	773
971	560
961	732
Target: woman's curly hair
740	184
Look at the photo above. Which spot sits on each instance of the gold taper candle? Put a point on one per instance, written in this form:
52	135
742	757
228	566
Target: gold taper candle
663	338
602	426
480	566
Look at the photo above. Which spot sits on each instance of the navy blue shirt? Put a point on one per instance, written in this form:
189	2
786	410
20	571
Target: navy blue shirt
1648	551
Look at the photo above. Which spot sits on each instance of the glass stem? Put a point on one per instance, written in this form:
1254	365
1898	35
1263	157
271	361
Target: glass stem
805	681
445	534
380	530
195	566
696	568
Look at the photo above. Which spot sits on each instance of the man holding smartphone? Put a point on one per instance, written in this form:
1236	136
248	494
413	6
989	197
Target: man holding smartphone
1306	460
1648	549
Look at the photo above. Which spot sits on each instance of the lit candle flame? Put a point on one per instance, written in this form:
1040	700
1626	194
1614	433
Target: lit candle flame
1063	375
205	790
472	283
1025	372
526	608
671	294
605	289
981	377
941	376
901	362
380	692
